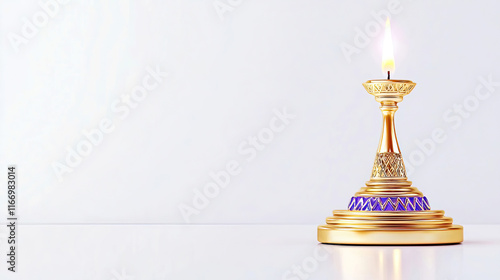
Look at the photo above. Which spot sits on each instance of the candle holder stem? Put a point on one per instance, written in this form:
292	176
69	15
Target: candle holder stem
388	141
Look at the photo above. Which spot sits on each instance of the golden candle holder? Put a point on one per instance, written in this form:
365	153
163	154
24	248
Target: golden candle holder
389	210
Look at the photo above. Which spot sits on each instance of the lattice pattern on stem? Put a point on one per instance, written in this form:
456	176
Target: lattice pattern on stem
388	165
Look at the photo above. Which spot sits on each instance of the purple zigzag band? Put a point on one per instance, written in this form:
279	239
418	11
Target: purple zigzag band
402	203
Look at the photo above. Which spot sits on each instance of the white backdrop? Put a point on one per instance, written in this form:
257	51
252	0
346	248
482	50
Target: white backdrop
266	94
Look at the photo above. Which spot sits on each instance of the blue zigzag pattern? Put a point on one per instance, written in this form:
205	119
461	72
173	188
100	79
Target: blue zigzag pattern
360	203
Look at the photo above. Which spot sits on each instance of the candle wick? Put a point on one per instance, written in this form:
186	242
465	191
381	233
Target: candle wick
388	75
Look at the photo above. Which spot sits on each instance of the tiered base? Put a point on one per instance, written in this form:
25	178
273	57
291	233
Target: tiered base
389	228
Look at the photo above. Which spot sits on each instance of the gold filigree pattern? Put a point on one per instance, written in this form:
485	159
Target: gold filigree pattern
388	165
402	88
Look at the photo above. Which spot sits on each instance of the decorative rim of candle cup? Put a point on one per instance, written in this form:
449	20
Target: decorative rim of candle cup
389	81
389	90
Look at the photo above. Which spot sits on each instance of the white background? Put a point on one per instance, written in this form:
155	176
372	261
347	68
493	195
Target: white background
227	74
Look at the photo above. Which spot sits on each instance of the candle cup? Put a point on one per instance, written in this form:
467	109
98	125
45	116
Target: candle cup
389	210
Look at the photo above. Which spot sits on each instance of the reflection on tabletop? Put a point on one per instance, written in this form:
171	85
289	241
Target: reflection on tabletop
395	262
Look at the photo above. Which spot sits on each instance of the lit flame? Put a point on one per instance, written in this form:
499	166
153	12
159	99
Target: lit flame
388	54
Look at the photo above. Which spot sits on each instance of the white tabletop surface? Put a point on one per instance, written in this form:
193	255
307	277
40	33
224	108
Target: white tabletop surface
136	252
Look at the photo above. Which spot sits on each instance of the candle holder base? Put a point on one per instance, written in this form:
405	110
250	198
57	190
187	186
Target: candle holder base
389	228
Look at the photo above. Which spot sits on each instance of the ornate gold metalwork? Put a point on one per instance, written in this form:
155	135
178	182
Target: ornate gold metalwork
395	87
388	179
388	165
388	173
